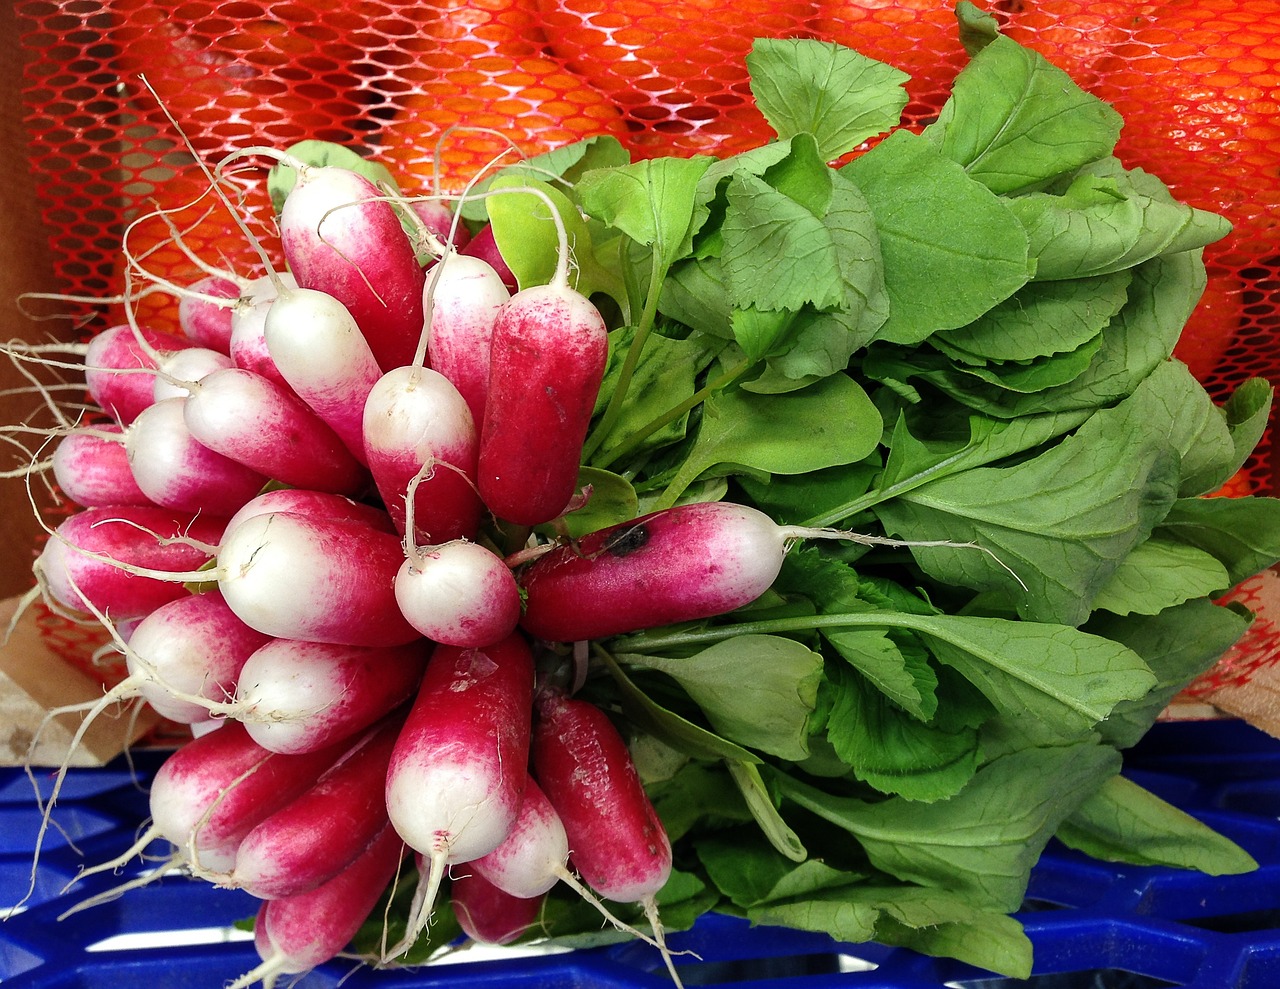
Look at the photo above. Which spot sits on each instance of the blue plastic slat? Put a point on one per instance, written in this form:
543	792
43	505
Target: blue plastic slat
1166	927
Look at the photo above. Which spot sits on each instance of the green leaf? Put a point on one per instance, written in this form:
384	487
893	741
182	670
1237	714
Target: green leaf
839	96
653	201
951	248
758	690
1123	822
677	732
829	423
1042	319
775	829
527	237
1056	526
904	677
981	843
1159	574
1015	121
777	254
1060	679
751	873
1100	224
895	752
1242	533
281	178
1178	645
612	500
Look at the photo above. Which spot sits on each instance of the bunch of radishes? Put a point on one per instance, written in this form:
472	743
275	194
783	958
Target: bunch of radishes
306	524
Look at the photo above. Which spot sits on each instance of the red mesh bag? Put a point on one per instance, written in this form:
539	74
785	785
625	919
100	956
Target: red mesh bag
1198	82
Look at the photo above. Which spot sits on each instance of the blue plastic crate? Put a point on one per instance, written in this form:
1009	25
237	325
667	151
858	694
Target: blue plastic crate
1093	924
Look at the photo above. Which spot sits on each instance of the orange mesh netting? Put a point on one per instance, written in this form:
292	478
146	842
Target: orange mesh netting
1198	82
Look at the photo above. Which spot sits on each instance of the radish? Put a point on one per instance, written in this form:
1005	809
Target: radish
294	934
295	696
439	221
488	915
319	351
86	562
264	426
546	364
193	645
618	844
465	295
459	766
323	829
418	430
322	504
294	576
177	471
341	237
191	364
249	347
112	361
458	593
485	247
680	564
91	468
203	321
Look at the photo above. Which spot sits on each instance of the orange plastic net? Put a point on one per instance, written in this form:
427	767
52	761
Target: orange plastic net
1198	82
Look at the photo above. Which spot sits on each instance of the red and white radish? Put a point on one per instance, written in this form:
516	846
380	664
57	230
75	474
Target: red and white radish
194	645
263	425
320	504
298	576
319	351
115	363
458	593
249	347
485	247
546	364
201	318
294	696
323	829
487	914
91	467
465	295
92	560
459	766
294	934
678	564
418	431
191	364
176	470
341	236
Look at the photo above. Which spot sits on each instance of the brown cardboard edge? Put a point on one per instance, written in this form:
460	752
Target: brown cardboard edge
33	681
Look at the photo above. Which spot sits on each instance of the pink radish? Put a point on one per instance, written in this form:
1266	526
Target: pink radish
319	351
546	363
249	347
439	221
321	504
459	766
203	321
112	362
91	468
485	247
261	424
342	237
417	426
295	576
73	567
295	696
581	761
458	593
465	295
618	844
679	564
488	915
194	645
294	934
177	471
324	828
191	364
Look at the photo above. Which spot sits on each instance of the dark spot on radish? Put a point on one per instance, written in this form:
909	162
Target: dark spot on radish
626	541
